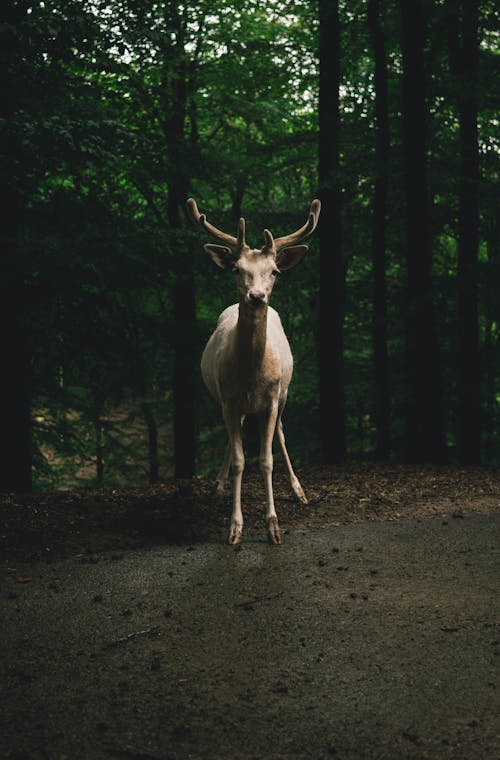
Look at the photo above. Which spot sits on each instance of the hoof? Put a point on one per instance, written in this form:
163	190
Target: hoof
235	535
273	531
302	497
299	492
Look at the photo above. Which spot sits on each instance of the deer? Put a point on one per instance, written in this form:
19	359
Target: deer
247	363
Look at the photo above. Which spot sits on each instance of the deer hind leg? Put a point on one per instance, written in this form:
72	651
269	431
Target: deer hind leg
294	481
223	474
267	426
235	455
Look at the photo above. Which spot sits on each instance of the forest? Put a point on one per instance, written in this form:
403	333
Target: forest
114	112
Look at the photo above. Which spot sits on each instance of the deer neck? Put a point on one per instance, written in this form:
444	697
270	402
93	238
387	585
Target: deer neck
251	332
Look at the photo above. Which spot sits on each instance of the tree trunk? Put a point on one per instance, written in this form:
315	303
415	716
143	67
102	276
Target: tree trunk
15	329
152	429
332	269
237	194
491	347
425	430
184	370
184	307
98	439
380	355
464	66
16	374
184	340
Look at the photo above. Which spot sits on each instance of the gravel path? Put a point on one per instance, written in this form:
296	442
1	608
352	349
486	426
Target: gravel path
369	640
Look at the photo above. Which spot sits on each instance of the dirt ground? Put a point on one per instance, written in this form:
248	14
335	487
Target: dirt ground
129	629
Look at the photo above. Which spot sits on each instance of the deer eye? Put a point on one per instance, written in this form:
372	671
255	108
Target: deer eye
275	272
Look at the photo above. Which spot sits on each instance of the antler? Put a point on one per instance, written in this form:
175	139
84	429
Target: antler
308	227
201	221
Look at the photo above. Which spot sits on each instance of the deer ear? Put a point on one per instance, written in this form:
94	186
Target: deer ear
289	257
221	255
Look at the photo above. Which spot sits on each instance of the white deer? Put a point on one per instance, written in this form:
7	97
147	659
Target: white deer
247	363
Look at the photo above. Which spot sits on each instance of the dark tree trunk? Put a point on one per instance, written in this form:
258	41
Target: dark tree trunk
16	373
97	413
463	37
184	340
491	347
425	429
237	197
332	269
15	328
99	450
184	370
252	439
184	307
380	356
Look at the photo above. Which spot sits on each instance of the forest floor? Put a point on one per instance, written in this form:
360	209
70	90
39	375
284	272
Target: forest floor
51	525
130	630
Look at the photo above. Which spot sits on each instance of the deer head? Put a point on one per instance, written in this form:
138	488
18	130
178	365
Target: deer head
255	268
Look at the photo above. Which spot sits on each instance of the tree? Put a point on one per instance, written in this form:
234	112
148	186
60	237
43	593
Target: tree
158	81
114	111
332	269
15	389
463	52
37	84
190	127
380	356
425	434
174	97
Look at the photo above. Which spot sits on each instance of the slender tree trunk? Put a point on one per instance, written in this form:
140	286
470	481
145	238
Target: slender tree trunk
491	350
380	355
332	268
463	38
184	307
98	440
425	429
16	373
15	329
152	442
184	392
237	197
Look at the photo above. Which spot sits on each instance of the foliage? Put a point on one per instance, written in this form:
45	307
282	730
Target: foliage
90	147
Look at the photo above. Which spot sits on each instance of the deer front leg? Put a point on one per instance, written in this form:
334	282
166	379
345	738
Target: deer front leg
237	458
267	428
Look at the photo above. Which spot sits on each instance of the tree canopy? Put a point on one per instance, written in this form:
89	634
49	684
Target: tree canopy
115	111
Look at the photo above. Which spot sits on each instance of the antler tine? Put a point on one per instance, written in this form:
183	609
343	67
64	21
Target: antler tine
241	233
201	221
305	230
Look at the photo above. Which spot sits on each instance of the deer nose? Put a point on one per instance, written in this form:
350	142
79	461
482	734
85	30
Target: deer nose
257	296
